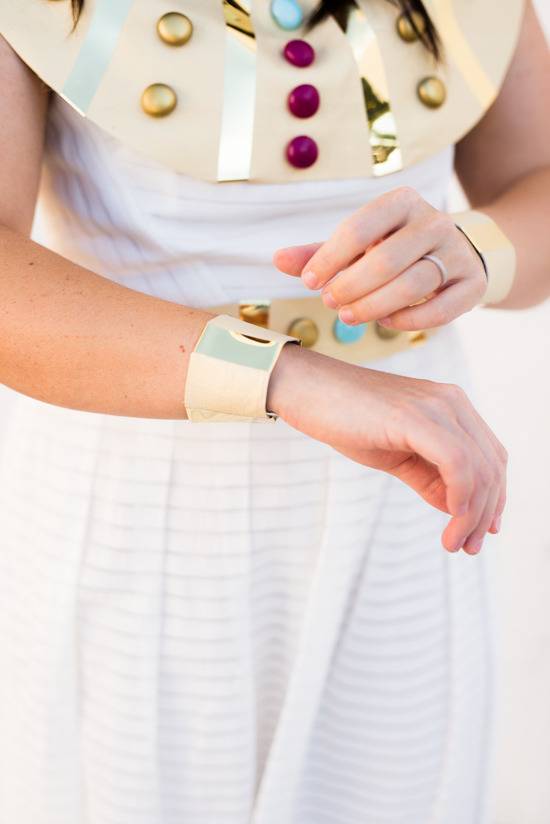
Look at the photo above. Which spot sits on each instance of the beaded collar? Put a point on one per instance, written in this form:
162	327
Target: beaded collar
237	90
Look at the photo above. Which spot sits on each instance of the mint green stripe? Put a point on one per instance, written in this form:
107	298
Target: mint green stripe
96	52
220	343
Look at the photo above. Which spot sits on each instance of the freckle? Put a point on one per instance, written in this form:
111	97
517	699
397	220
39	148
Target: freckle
182	347
31	262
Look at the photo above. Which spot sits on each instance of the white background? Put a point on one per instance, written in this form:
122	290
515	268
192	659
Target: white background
510	357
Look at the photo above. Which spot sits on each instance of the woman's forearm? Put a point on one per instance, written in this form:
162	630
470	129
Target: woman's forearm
522	212
73	338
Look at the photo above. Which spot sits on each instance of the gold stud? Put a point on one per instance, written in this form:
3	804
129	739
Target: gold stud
385	333
174	28
417	338
431	92
158	100
305	329
405	28
255	312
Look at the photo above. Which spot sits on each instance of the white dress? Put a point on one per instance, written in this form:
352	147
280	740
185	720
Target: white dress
225	623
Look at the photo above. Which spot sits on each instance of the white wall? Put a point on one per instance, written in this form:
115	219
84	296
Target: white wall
510	353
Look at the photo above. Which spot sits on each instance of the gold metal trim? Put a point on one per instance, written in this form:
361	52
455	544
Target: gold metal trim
457	47
239	94
255	311
383	135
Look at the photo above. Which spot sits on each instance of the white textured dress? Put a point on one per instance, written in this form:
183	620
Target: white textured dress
225	623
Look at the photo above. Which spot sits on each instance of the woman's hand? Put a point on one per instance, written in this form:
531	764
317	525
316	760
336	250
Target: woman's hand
427	434
371	267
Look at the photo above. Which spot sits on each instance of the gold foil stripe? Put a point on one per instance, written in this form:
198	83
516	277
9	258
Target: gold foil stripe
457	46
239	92
384	140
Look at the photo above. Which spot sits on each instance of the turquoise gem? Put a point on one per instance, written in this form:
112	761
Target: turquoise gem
287	14
348	334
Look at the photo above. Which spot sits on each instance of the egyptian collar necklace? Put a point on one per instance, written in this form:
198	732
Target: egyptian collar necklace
228	90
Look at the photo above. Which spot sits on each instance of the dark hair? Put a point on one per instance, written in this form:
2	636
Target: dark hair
341	8
426	32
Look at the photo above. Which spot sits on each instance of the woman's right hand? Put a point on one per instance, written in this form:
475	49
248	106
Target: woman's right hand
427	434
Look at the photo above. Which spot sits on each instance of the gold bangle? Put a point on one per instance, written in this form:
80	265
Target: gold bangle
229	371
497	253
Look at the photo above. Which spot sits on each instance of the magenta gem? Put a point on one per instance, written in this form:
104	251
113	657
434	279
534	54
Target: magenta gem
299	53
303	101
302	151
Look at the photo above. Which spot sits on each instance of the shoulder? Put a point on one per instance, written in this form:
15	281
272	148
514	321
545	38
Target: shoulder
207	93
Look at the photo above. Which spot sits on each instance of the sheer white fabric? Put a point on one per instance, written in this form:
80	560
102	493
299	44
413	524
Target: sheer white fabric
228	623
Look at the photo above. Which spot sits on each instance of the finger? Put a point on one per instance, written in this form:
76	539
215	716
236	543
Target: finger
461	527
501	504
411	286
496	453
490	479
474	541
445	306
382	263
368	225
424	477
451	454
292	259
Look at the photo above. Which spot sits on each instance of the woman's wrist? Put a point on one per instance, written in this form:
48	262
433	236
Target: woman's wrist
285	377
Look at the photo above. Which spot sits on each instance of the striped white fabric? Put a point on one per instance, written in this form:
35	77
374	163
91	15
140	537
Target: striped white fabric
226	624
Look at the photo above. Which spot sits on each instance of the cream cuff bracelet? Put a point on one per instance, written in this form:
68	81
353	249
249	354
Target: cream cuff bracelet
497	253
229	371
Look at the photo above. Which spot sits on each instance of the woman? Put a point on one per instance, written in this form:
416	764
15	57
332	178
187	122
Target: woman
244	623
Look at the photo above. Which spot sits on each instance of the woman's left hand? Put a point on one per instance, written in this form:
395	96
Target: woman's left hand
371	268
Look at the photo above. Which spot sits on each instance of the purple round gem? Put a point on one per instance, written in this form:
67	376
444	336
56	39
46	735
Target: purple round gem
302	152
303	101
299	53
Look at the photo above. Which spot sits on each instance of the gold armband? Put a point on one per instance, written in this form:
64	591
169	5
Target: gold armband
497	253
229	371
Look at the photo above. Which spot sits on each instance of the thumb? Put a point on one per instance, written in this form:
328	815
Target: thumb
293	259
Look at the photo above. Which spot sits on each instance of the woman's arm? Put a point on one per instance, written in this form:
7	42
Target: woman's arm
504	164
73	338
67	335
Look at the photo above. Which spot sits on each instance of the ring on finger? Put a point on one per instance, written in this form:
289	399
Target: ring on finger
443	271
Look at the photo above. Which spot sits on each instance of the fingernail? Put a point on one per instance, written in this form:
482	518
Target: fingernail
498	523
329	301
474	548
310	279
384	321
346	315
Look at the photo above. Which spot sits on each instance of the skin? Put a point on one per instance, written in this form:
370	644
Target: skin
369	269
73	338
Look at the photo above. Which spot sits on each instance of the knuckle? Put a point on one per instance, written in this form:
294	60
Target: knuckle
325	263
337	290
441	223
487	476
455	393
440	316
382	261
351	231
406	195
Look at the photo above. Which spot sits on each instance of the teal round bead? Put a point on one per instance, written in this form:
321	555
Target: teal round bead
287	14
348	334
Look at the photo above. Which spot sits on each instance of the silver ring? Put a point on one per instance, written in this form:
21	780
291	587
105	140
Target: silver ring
443	272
